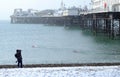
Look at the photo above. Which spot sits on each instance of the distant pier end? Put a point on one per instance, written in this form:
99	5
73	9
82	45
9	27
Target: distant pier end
65	17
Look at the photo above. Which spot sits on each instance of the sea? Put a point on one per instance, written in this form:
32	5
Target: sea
55	44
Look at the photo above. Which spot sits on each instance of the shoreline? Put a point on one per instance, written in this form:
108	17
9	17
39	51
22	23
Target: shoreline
60	65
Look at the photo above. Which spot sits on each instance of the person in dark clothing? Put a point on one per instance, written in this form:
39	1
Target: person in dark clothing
19	58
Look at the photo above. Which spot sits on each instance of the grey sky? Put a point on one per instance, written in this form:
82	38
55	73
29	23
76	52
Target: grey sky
7	6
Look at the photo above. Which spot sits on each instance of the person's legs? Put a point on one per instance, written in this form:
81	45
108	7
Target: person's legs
21	65
18	64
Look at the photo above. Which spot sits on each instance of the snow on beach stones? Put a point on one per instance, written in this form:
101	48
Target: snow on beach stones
101	71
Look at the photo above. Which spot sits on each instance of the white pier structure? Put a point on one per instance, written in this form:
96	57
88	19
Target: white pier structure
105	5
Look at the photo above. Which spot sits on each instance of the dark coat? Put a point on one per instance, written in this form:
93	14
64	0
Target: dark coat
18	56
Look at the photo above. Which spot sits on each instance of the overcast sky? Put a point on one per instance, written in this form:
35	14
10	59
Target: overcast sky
7	6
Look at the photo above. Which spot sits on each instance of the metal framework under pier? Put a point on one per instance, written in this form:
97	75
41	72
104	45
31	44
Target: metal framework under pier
106	22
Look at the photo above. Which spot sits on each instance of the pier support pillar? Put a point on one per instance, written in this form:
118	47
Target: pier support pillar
112	34
94	24
83	22
119	27
12	19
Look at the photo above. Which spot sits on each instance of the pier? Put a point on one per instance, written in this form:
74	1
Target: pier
103	17
107	23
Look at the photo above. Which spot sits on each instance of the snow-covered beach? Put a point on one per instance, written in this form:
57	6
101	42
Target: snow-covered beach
81	71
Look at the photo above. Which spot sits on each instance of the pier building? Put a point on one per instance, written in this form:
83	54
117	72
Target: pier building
105	5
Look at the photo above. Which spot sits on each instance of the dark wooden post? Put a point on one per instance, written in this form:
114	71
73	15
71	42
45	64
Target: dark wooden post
94	24
83	21
11	19
119	27
112	27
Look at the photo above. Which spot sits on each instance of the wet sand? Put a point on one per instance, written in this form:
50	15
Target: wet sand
60	65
